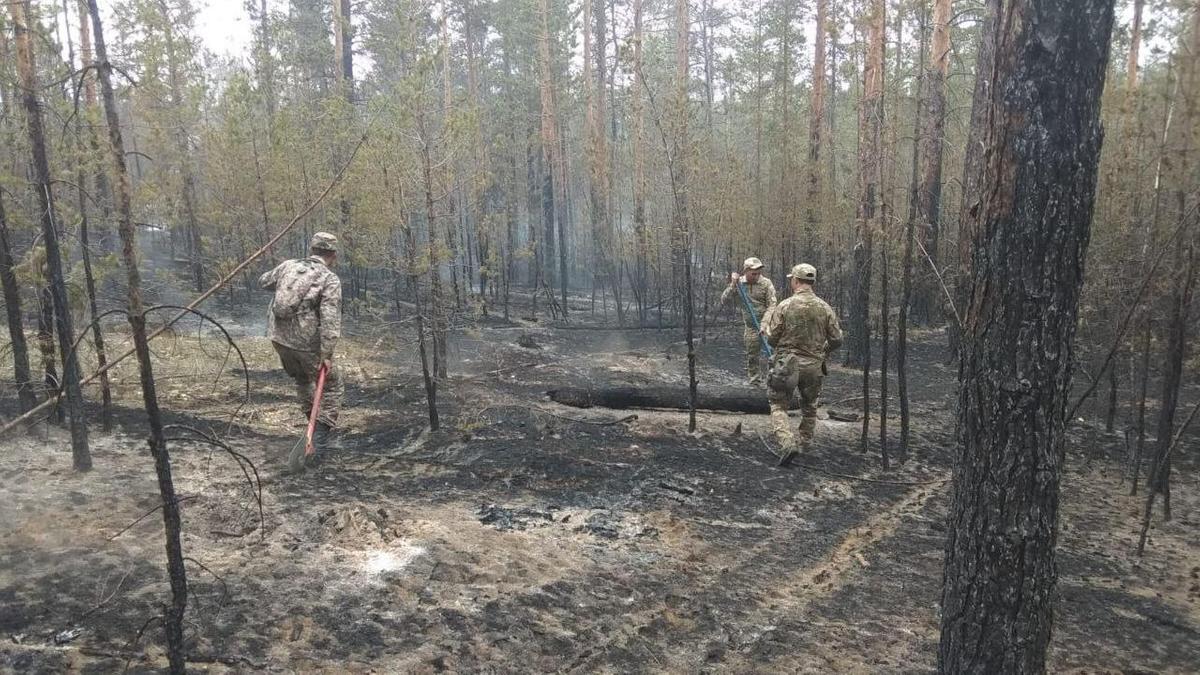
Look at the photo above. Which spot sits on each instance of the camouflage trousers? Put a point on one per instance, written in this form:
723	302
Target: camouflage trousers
303	367
754	355
793	375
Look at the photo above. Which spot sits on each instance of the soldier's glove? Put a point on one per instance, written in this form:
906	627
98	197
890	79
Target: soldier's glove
824	368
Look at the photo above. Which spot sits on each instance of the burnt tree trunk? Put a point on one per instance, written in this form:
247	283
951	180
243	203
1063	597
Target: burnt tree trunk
29	87
929	192
972	176
1034	217
22	375
85	252
173	624
680	185
906	284
727	399
1180	161
1177	339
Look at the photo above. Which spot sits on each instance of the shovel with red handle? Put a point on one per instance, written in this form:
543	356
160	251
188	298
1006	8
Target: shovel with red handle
294	461
316	409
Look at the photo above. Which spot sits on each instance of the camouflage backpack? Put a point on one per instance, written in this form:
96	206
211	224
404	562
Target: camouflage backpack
297	287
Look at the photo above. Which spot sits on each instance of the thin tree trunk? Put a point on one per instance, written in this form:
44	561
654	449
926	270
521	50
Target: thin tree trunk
870	160
933	140
85	252
1139	449
1017	355
639	169
27	72
22	376
173	625
816	124
909	239
183	147
549	125
682	152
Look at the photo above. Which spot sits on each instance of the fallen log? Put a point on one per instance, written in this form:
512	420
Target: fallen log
727	399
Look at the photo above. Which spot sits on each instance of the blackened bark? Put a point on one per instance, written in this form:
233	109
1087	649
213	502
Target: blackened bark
972	177
1177	336
1140	423
674	398
1033	220
173	625
22	375
81	457
929	193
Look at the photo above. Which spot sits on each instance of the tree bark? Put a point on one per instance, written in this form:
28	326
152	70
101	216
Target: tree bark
972	177
869	173
173	625
1184	155
682	154
85	252
549	125
816	125
933	139
640	280
22	375
673	398
29	87
183	147
1034	215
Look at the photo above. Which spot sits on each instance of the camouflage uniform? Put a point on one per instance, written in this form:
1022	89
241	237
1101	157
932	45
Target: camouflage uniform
304	324
802	329
762	298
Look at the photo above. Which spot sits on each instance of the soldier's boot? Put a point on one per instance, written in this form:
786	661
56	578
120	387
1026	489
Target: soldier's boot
323	443
790	453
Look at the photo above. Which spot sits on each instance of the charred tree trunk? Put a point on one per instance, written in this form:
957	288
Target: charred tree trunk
27	71
45	336
682	223
671	398
972	177
195	241
1038	187
85	252
640	281
22	376
1177	340
173	625
933	139
1140	420
906	283
549	125
816	125
869	173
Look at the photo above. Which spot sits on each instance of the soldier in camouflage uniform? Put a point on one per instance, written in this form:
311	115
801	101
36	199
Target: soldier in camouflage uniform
762	299
304	323
802	329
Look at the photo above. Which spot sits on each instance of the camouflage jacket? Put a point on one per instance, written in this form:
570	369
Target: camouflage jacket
306	312
804	325
762	298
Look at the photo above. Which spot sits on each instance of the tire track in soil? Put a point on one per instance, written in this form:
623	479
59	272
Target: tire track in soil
797	591
786	597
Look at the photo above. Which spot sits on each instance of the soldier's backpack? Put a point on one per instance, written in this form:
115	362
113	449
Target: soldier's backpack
297	287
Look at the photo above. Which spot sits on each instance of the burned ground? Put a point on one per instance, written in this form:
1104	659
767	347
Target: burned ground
526	536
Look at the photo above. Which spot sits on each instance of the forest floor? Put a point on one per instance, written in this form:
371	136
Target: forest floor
526	536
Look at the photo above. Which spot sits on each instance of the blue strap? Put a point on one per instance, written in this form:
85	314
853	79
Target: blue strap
766	348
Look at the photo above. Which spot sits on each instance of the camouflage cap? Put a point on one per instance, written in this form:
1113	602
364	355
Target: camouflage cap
323	241
752	264
804	272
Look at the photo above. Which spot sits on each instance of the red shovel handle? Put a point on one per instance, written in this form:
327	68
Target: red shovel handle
316	409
